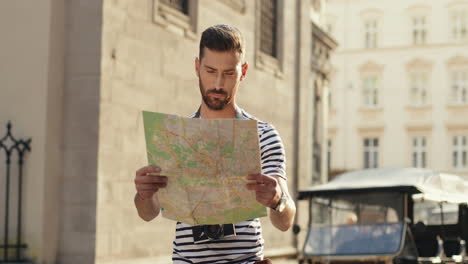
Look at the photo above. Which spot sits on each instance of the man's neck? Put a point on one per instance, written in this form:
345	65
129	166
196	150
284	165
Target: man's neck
228	112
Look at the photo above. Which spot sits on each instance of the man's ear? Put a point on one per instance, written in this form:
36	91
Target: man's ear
245	67
197	67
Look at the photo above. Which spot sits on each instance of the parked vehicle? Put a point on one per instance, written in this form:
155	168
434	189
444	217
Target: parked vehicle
387	216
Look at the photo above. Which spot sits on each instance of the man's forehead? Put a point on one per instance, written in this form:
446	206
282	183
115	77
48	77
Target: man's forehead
220	63
231	57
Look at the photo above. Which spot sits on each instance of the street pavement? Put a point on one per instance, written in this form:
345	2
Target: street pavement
284	261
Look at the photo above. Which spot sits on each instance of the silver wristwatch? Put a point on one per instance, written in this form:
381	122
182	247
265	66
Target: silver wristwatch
281	204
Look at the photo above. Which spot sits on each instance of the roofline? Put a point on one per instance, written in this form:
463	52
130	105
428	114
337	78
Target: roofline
303	195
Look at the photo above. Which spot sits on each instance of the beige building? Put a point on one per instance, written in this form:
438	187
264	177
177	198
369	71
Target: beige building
75	76
400	89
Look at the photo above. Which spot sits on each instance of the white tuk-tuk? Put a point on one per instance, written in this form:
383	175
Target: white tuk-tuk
387	216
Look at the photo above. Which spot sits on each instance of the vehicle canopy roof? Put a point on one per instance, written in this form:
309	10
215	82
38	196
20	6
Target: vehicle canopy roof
425	184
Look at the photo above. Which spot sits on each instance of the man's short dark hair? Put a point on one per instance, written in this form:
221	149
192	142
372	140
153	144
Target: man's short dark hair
222	38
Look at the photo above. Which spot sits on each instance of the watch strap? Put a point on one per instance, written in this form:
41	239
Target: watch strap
281	204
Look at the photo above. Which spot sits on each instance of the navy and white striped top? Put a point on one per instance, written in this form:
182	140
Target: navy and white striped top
247	245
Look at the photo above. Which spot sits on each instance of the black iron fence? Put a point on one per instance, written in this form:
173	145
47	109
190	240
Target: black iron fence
12	244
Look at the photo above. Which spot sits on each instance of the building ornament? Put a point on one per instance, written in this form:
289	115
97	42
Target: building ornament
457	4
419	127
418	9
371	13
371	130
371	67
418	64
457	61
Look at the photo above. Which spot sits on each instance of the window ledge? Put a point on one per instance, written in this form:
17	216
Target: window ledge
173	20
269	64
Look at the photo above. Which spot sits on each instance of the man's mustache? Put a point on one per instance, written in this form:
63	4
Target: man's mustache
216	91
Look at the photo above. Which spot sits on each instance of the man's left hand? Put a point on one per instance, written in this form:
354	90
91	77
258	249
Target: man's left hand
267	189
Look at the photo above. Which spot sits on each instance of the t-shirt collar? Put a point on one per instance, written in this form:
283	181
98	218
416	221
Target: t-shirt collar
239	113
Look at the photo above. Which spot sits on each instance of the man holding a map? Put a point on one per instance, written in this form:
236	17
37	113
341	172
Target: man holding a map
216	172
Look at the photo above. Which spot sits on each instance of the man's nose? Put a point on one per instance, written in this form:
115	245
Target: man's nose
219	81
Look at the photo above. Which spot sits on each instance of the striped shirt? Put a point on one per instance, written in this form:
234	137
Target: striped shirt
247	245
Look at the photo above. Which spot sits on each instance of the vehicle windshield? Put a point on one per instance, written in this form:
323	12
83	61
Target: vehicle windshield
429	213
356	224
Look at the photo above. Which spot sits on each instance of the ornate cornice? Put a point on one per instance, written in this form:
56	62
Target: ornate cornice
457	126
418	63
457	61
422	127
457	4
370	67
418	7
371	12
371	129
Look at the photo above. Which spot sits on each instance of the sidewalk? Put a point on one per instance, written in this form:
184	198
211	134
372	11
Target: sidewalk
284	261
284	255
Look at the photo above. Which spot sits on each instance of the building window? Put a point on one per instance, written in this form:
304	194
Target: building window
460	24
268	27
419	153
459	154
370	29
180	5
459	81
419	30
371	153
177	16
370	91
317	162
317	132
418	88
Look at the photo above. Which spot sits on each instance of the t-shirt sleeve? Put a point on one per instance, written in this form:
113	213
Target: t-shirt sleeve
272	152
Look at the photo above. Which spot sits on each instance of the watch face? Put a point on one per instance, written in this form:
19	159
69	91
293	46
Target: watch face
282	204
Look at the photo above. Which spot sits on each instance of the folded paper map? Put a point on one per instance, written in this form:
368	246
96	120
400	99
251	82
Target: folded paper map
206	162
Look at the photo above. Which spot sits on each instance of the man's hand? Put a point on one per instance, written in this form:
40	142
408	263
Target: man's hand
267	190
148	181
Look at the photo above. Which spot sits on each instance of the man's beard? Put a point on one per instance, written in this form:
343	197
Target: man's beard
212	102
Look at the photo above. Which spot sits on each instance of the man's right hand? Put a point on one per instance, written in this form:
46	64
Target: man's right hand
148	181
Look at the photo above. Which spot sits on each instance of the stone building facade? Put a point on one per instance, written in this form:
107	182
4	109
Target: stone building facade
75	76
400	92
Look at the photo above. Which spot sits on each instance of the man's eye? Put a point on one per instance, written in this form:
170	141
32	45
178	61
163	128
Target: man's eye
229	73
211	71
